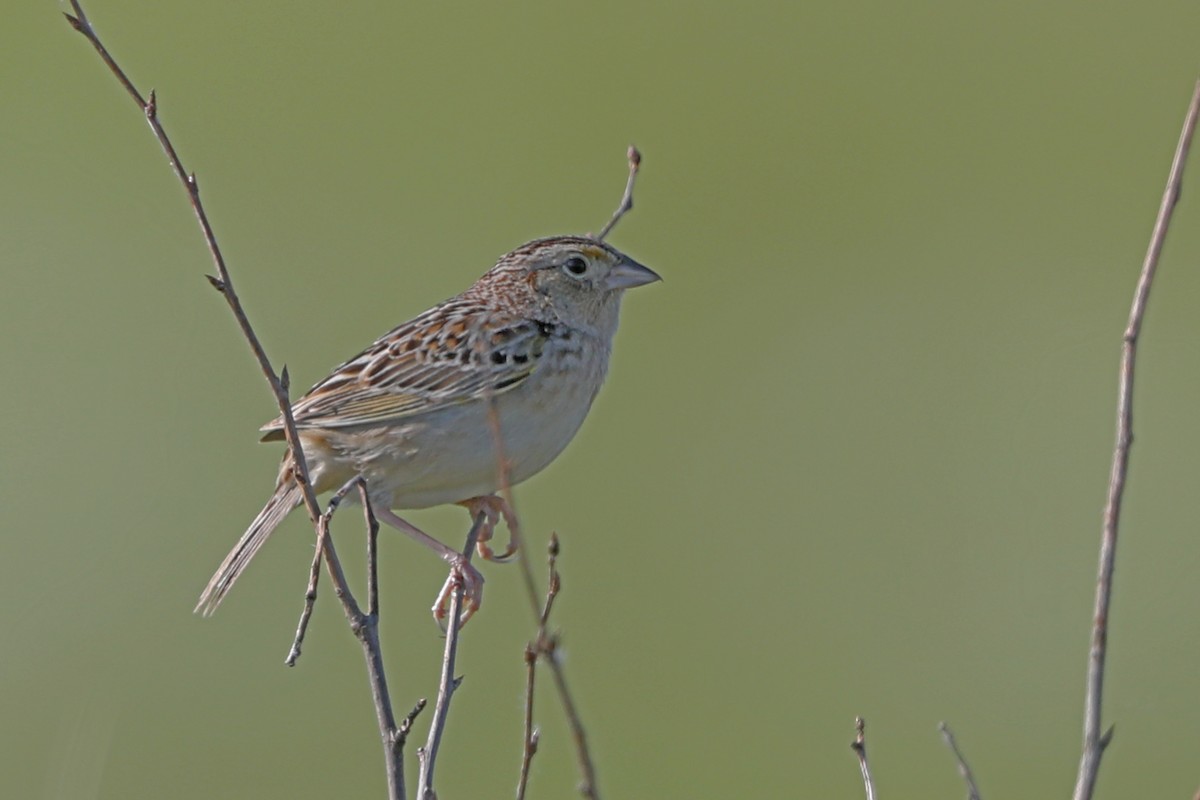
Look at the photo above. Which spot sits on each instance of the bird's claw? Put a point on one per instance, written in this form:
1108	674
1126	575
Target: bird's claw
494	508
463	577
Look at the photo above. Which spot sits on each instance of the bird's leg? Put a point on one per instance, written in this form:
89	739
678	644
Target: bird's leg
493	507
461	571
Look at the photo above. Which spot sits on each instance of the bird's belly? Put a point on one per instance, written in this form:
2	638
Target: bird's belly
454	453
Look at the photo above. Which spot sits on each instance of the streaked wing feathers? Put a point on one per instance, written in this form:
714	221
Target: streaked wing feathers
451	354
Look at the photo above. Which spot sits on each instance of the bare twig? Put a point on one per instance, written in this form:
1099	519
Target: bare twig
529	749
223	283
859	746
541	646
626	204
407	723
372	549
1094	740
364	627
964	769
587	784
545	646
314	570
448	683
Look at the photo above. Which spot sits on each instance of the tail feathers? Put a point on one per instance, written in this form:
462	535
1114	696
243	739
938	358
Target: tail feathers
287	496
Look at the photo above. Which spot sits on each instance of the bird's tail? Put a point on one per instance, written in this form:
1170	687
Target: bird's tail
286	497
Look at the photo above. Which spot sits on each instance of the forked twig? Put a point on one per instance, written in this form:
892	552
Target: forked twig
1094	739
364	627
448	683
859	746
545	646
314	570
964	769
541	646
626	204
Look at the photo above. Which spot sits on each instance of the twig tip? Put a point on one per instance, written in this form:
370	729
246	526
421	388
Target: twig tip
859	745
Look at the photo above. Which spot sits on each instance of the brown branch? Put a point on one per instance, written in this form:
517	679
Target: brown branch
364	627
448	683
223	283
542	645
530	739
314	570
549	649
626	204
545	646
964	769
1094	740
859	746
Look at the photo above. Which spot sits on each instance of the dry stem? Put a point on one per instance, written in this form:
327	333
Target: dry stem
541	646
545	646
859	746
964	769
364	627
626	204
1095	741
448	683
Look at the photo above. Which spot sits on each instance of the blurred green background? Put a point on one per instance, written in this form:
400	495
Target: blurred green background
850	459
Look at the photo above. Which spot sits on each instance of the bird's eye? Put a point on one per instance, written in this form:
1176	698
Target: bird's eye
575	265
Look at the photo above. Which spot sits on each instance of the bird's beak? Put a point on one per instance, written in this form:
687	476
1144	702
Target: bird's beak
628	273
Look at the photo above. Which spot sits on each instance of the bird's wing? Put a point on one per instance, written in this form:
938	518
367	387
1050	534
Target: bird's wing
449	355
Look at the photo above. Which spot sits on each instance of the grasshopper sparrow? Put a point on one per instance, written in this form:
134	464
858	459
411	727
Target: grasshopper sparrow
509	366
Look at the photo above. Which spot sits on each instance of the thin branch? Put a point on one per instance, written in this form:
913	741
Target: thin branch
364	627
964	769
626	204
448	683
314	570
545	646
859	746
372	549
1095	741
587	786
406	725
540	646
223	283
530	739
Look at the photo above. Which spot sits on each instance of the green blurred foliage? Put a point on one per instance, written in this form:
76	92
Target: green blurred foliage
853	449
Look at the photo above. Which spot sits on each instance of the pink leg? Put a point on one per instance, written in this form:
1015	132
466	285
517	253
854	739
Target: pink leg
462	573
494	508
